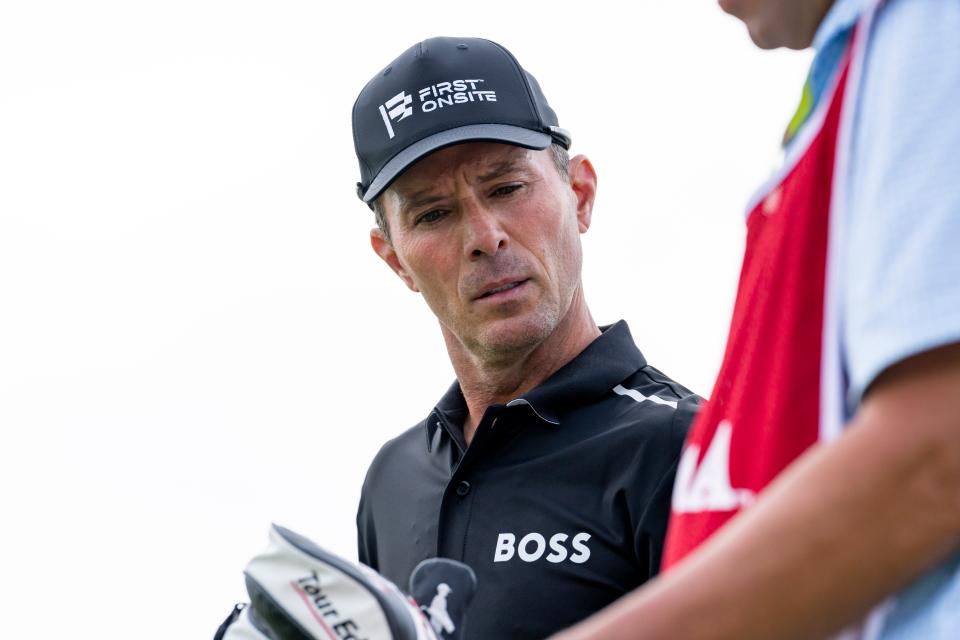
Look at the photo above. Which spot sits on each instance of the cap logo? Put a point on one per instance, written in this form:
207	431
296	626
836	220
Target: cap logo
442	94
396	108
434	97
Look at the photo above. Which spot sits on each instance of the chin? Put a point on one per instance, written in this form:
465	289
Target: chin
763	38
770	25
730	6
519	333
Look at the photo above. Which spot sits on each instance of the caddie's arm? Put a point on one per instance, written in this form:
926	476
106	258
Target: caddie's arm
844	526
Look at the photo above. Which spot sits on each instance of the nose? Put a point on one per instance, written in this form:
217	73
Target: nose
484	234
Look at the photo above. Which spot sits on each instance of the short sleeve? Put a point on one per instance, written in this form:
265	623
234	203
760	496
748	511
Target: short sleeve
901	248
651	532
366	535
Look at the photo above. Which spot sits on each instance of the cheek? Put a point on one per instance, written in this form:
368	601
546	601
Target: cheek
433	270
559	249
572	258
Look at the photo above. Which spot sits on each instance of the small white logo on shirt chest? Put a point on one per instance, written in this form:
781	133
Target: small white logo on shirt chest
533	547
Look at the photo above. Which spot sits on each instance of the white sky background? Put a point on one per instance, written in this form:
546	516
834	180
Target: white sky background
195	338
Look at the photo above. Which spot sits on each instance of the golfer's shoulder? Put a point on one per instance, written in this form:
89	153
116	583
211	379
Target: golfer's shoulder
655	406
398	456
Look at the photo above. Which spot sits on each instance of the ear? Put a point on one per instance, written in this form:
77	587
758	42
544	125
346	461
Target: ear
583	182
381	245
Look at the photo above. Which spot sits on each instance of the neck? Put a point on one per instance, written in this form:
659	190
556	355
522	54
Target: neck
486	379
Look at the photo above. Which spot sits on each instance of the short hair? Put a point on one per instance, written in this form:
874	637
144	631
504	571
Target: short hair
561	160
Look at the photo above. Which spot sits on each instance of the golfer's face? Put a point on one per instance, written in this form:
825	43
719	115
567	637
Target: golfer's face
488	233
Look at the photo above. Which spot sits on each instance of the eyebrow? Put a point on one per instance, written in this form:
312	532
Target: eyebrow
500	169
423	196
418	199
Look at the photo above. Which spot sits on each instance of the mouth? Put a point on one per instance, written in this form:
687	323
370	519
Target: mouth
501	290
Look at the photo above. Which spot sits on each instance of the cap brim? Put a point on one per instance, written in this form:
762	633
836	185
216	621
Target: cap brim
474	132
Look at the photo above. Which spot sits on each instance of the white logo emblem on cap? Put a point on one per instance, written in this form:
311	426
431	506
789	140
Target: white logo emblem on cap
396	108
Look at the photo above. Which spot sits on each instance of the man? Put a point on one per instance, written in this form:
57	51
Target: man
834	427
547	466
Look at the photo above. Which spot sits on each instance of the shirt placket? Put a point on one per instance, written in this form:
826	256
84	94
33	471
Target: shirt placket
456	508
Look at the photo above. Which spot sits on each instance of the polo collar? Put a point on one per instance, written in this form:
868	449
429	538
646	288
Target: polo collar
607	361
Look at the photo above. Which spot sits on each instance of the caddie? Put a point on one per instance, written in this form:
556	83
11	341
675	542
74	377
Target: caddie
819	490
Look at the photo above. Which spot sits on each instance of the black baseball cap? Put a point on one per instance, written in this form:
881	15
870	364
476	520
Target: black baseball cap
441	92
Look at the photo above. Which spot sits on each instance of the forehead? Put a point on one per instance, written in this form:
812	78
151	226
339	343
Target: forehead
470	158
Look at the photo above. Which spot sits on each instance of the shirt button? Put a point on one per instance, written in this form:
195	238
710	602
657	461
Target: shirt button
463	488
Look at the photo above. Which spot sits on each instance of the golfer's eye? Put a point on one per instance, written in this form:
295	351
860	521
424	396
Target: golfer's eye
434	215
505	190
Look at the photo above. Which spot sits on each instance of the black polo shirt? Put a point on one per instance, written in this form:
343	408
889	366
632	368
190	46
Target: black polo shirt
559	504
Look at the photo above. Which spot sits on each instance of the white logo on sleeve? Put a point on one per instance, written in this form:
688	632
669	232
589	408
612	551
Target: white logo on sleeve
708	488
533	546
437	611
396	108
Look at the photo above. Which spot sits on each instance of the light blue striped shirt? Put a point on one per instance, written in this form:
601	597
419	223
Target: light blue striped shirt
901	253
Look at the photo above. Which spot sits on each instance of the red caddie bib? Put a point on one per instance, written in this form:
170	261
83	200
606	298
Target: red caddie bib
779	389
